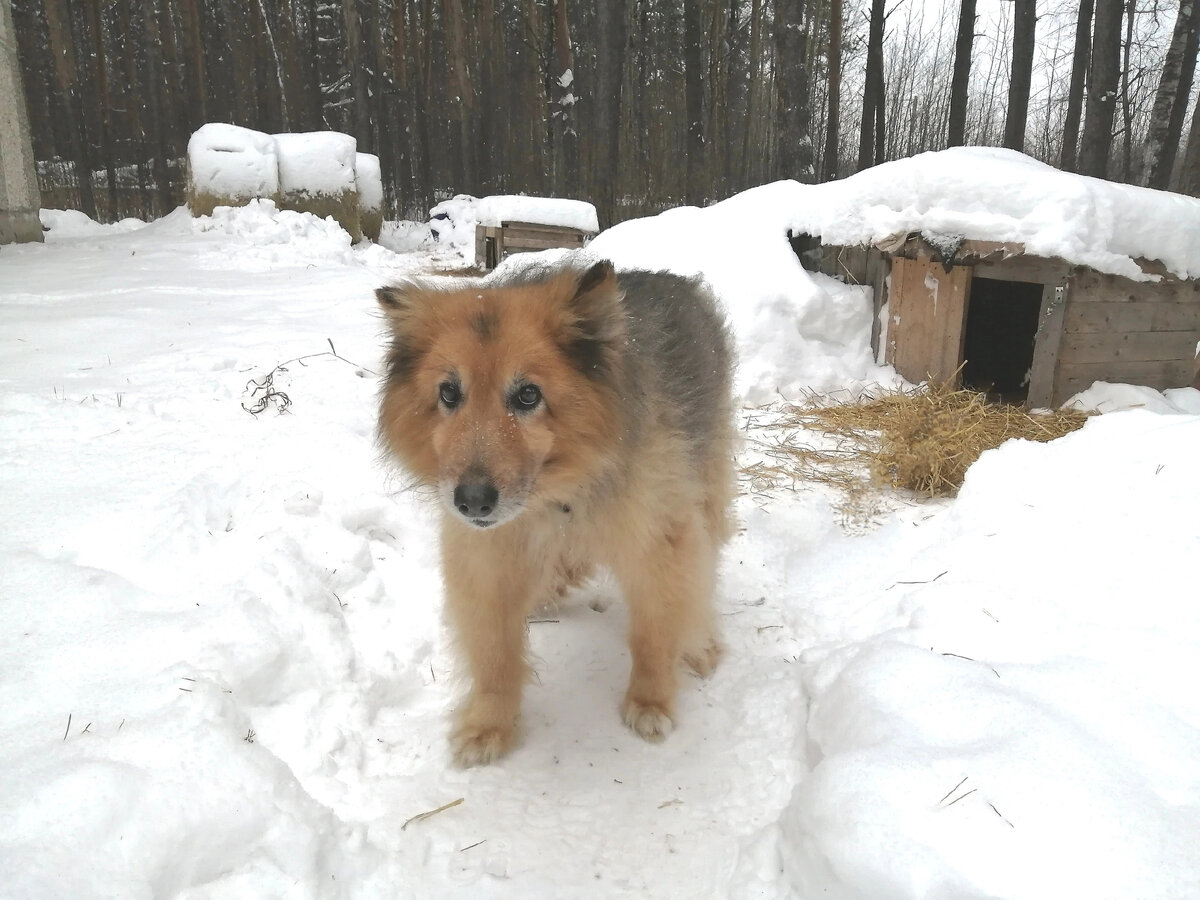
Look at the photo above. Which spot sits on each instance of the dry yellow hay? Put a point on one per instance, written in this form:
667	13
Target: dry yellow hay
923	440
343	207
371	222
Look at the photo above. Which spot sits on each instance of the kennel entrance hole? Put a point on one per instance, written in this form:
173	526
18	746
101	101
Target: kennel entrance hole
1002	320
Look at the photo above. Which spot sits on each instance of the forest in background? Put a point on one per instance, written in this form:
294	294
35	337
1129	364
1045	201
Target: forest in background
635	105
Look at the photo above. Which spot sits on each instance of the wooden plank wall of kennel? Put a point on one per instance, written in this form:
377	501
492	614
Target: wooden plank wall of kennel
1133	332
495	242
1092	326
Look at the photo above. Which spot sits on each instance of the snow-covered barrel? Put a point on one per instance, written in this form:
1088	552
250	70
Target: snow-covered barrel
316	175
368	179
228	166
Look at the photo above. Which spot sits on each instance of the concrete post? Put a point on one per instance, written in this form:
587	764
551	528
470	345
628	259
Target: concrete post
19	198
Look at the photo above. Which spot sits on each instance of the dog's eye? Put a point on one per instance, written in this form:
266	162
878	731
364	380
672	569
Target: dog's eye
450	394
528	396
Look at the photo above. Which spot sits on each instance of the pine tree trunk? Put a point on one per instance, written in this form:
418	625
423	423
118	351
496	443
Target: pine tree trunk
175	115
565	93
300	117
424	62
1024	27
399	106
829	161
100	73
717	103
462	94
610	66
794	145
751	168
1102	89
870	135
961	78
531	166
493	161
693	104
62	49
152	96
381	97
243	69
360	112
1079	70
1126	130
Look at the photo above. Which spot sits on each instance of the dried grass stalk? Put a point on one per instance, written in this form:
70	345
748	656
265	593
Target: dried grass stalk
923	440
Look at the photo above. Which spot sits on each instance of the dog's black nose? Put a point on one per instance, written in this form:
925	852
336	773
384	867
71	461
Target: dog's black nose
476	499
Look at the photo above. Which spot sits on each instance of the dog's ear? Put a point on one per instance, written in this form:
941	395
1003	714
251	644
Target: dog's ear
597	332
394	298
399	303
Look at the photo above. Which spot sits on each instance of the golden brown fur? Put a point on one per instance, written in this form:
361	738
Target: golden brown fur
567	419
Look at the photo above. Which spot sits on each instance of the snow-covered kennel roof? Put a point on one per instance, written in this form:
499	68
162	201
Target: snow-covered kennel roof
990	194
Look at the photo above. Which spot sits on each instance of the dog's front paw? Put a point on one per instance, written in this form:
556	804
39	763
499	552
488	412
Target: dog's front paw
478	745
486	730
651	721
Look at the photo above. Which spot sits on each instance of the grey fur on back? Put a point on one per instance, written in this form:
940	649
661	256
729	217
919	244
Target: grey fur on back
679	363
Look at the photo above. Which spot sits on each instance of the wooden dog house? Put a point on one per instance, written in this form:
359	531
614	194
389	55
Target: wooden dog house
1027	329
493	243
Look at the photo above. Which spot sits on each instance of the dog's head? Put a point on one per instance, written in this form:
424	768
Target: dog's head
502	395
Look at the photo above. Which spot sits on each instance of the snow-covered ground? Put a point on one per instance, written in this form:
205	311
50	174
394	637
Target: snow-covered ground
223	672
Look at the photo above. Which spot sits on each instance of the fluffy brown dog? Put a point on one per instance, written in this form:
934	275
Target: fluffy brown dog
567	417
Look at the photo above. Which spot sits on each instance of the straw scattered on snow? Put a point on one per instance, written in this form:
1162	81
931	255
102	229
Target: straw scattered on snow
923	440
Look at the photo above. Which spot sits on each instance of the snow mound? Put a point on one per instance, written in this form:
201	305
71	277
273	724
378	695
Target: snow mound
316	162
66	224
1004	734
988	193
233	162
283	235
796	331
1104	397
368	180
452	223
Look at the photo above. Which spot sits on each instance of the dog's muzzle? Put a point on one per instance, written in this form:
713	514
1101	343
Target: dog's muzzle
476	501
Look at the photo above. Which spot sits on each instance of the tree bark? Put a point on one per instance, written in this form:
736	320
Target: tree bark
1126	130
462	94
829	160
62	49
423	60
718	100
794	144
870	135
1079	70
693	104
1024	28
751	171
564	97
361	111
1102	89
1170	101
610	66
243	63
961	78
1189	174
152	96
100	73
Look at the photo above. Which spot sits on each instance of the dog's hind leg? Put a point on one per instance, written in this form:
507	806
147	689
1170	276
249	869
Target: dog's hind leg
668	586
703	649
